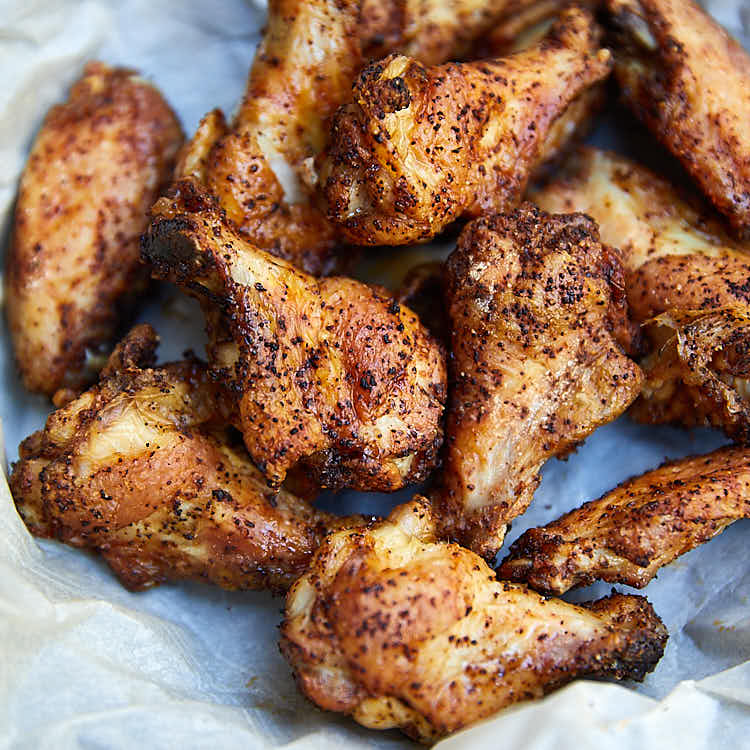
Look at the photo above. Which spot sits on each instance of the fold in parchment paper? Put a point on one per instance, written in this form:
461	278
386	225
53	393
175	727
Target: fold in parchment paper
84	663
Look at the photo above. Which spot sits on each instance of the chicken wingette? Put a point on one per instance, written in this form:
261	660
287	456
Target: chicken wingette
329	371
397	629
628	534
72	269
534	301
260	166
689	81
143	469
674	251
419	147
682	269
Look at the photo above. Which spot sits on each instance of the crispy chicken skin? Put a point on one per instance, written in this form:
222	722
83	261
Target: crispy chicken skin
628	534
400	630
700	375
689	82
419	147
535	365
675	253
331	371
142	469
72	270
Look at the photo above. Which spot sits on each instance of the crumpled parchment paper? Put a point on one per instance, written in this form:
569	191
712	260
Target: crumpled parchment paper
84	663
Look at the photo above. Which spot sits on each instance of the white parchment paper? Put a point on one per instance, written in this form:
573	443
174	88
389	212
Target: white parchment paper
84	663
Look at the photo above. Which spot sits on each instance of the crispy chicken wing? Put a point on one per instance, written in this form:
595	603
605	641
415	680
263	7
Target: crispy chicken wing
536	367
675	254
419	147
398	630
689	82
142	468
72	270
701	374
331	372
628	534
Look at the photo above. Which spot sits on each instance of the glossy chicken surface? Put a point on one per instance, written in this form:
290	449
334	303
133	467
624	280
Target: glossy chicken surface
700	375
73	270
142	468
399	630
330	371
628	534
689	81
534	301
675	253
419	147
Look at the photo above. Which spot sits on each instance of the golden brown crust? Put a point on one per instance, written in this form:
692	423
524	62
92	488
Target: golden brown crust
675	252
72	270
399	630
419	147
689	82
142	468
628	534
330	371
699	375
535	365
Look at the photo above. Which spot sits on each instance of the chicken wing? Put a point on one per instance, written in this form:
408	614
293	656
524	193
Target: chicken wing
700	375
628	534
689	82
398	630
330	371
675	254
419	147
536	367
73	268
142	468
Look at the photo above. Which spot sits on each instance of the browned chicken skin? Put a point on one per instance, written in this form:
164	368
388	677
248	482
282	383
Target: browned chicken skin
419	147
260	167
700	375
142	469
331	372
535	366
681	266
628	534
399	630
73	268
689	82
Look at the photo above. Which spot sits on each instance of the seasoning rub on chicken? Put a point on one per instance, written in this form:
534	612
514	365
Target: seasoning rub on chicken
535	302
143	468
397	629
627	535
330	372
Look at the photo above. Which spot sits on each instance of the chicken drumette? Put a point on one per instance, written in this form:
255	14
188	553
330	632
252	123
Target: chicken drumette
689	82
73	270
533	300
143	469
399	630
329	371
637	528
419	147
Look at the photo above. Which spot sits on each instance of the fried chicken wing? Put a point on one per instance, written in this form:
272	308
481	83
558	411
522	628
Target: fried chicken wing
419	147
536	367
689	82
399	630
142	468
330	371
73	269
675	253
700	375
628	534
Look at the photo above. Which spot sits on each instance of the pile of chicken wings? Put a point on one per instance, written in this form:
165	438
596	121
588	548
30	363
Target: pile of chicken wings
582	286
